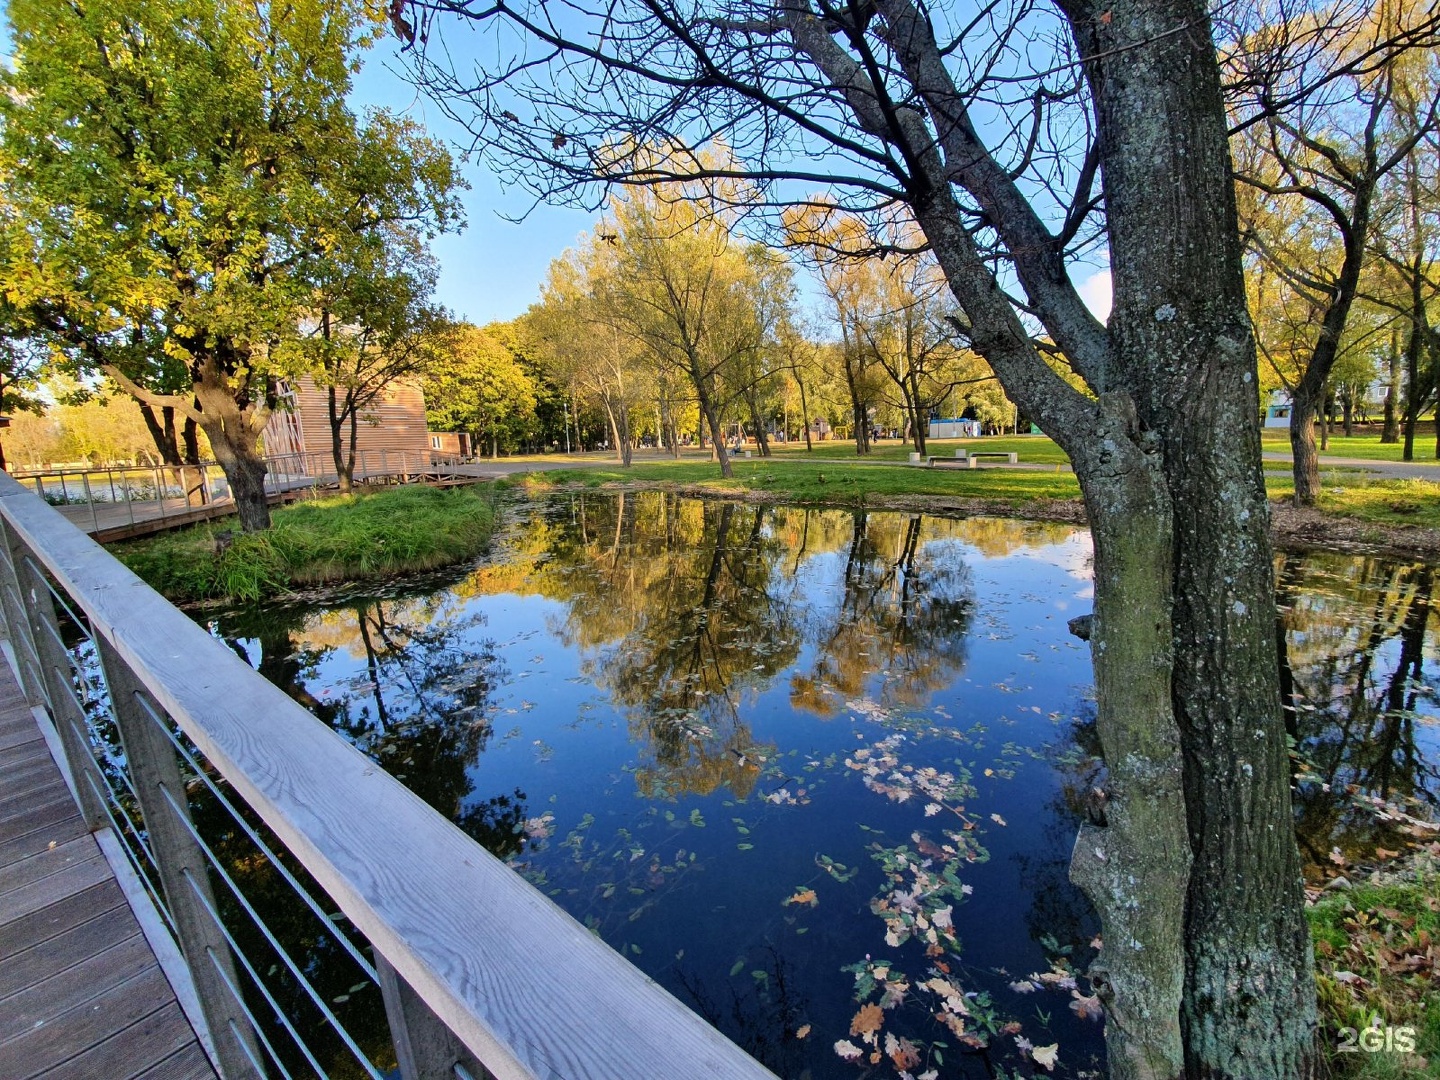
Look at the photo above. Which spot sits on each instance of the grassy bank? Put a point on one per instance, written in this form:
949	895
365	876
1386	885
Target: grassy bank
829	481
1374	958
343	538
1365	497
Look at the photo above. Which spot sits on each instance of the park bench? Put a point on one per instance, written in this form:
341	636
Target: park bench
966	459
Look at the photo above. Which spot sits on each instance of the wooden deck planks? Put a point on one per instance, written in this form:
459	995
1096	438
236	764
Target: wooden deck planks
81	994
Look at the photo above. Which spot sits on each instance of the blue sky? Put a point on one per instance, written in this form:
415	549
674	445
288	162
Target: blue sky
492	270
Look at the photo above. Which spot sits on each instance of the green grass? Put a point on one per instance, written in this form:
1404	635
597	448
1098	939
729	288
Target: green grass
833	481
1347	491
1033	449
343	538
1367	447
1363	937
1367	498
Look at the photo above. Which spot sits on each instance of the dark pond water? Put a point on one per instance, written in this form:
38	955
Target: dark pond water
819	772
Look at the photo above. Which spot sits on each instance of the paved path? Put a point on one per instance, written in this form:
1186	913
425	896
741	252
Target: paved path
1391	470
82	996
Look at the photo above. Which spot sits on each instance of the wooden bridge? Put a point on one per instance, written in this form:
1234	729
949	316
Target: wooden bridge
144	713
124	503
82	993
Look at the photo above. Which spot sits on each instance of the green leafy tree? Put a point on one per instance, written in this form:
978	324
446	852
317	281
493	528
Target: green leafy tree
21	368
176	167
480	387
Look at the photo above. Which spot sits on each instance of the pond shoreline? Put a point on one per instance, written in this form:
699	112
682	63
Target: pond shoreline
1291	528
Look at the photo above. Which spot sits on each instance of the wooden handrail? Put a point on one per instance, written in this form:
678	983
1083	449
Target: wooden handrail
522	985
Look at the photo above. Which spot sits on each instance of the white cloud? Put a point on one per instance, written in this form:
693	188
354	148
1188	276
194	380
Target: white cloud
1095	291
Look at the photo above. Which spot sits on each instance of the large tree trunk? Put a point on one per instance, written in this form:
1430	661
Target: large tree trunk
234	440
1304	407
1183	337
244	468
1133	858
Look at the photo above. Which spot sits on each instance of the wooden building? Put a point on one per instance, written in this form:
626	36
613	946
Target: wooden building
454	444
299	431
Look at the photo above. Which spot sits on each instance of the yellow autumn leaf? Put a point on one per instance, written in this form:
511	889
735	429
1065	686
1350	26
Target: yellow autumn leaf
866	1022
804	896
1045	1055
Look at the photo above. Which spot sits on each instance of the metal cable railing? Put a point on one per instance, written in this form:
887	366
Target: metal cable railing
112	497
119	802
283	860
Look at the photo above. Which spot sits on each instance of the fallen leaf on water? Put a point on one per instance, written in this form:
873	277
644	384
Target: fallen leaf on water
902	1052
802	1031
866	1022
804	896
1045	1055
1024	986
1087	1007
847	1050
997	819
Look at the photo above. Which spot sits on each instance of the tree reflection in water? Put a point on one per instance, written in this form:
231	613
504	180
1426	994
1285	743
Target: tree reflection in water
1356	633
421	709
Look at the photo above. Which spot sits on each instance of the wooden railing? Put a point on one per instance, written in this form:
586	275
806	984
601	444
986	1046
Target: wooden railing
481	974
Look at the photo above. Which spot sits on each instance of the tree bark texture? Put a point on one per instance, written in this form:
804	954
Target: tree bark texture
234	440
1182	337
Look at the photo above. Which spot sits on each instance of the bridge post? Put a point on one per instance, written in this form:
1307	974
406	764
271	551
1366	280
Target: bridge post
424	1047
17	625
165	807
66	712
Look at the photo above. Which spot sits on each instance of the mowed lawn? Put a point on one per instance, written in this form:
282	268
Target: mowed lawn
1035	449
1368	447
832	473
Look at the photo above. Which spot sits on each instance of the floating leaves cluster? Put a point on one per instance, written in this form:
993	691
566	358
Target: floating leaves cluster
882	772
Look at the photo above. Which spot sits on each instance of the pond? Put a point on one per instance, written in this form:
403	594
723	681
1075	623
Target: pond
818	772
